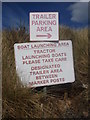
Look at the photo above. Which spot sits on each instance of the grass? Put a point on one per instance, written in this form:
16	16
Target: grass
0	74
60	102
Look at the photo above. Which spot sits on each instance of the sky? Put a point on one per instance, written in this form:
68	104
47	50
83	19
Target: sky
72	14
0	16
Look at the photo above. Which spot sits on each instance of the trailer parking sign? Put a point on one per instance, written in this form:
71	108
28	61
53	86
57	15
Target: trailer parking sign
44	26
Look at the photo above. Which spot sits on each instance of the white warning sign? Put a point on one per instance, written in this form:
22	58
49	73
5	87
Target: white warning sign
47	63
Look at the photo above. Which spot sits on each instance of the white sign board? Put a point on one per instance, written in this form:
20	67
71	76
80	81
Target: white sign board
47	63
44	26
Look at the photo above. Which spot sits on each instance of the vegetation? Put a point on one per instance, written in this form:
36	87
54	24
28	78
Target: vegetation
60	101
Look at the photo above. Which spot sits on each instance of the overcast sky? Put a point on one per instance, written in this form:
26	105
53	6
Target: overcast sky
70	14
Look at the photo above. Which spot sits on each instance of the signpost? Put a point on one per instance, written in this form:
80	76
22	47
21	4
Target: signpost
44	63
44	26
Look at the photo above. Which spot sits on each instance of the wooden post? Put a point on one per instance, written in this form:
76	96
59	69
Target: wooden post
44	92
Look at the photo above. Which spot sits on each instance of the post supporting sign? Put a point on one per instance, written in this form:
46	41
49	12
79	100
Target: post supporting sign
44	63
44	26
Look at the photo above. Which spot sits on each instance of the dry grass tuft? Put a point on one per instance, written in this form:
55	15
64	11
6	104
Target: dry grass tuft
20	102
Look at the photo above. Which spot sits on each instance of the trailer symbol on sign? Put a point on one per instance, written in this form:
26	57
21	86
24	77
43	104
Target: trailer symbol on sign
44	26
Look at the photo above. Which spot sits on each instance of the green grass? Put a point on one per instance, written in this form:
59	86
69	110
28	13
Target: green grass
20	102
